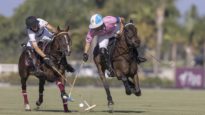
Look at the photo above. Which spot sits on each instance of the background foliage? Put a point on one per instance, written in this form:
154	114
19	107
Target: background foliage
76	13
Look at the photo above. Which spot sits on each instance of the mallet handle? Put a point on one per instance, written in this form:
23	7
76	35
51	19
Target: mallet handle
86	103
76	75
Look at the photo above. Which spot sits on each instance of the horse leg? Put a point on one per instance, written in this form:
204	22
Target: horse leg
24	93
127	85
64	95
41	89
97	60
132	85
107	89
137	86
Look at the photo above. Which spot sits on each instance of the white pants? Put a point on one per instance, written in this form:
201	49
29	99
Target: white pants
104	40
46	36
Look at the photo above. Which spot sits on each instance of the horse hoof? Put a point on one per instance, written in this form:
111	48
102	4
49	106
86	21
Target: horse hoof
138	93
67	111
110	103
128	92
111	110
38	103
110	107
27	107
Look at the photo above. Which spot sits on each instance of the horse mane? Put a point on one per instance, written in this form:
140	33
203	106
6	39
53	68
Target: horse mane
129	24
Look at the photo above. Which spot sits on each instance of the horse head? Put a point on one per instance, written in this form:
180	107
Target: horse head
62	41
131	36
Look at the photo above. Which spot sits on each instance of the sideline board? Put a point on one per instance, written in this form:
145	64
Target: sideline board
190	78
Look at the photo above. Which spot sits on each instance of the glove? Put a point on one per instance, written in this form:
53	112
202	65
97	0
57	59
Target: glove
48	61
85	57
118	34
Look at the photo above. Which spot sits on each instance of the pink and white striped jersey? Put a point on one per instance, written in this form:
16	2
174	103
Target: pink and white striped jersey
111	25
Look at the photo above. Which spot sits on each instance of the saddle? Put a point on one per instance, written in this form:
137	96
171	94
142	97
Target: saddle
110	48
34	61
32	58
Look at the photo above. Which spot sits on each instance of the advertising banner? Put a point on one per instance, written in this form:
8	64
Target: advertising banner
190	78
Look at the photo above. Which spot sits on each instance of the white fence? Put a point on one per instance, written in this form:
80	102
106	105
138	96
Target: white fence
86	70
8	68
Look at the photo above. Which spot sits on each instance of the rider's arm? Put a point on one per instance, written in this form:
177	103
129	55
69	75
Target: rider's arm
88	40
44	23
37	49
87	47
122	21
33	42
51	28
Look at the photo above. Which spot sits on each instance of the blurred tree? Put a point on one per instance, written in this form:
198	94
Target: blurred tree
100	3
191	20
199	40
76	13
172	32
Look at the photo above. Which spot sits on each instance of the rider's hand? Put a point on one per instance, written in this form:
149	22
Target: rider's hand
118	34
48	61
85	57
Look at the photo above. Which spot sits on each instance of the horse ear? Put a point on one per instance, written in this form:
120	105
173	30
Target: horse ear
58	29
68	27
131	21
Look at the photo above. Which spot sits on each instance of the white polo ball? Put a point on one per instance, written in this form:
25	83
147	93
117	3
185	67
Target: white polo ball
81	105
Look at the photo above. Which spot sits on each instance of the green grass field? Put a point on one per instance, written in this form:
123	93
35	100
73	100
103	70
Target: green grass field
152	102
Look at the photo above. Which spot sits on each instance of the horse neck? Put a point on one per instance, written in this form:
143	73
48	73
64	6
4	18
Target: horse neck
121	47
51	47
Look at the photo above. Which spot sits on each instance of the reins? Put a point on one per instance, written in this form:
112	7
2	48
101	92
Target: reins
129	47
59	34
54	57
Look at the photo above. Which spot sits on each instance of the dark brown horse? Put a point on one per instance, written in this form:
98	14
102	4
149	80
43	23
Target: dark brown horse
122	61
56	50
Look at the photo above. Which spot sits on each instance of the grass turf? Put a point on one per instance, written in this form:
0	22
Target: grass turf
152	102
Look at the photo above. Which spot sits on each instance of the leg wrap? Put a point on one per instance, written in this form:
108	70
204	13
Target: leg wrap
24	93
60	86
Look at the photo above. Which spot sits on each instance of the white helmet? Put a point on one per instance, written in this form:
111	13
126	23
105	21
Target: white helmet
96	21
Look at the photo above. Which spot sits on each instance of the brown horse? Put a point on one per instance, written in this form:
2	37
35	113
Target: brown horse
122	61
57	49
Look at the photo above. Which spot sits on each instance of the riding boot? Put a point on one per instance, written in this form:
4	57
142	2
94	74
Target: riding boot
105	59
31	61
34	63
138	58
67	66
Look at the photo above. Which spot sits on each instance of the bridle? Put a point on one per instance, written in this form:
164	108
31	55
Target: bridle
66	40
127	38
58	34
60	51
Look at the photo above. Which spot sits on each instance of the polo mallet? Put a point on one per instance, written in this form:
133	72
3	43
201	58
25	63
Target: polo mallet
72	86
53	68
69	98
157	60
83	100
89	107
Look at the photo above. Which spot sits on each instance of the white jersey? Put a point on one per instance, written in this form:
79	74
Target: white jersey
41	34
